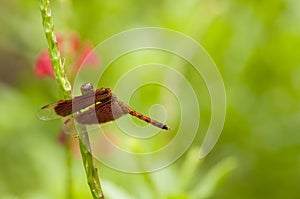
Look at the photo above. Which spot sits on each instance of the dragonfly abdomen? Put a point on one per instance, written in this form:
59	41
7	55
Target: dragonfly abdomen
147	119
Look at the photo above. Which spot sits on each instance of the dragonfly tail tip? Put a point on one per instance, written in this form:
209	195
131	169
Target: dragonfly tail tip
166	128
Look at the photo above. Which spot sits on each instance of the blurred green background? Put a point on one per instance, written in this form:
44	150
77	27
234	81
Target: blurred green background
255	45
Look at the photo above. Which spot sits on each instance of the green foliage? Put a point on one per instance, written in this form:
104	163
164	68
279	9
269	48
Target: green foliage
254	44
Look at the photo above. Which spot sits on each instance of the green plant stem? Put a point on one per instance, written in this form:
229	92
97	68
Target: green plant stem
88	162
55	57
65	86
69	169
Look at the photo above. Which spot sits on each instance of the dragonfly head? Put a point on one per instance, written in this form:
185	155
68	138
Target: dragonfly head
87	88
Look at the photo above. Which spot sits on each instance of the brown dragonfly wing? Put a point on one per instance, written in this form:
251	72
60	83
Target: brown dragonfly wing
101	113
55	110
64	108
84	101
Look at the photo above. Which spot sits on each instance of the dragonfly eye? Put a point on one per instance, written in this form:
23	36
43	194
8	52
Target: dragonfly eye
87	88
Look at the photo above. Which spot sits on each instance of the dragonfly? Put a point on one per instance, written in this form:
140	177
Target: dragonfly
93	107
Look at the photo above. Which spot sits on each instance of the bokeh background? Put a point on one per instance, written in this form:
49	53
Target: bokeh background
255	45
